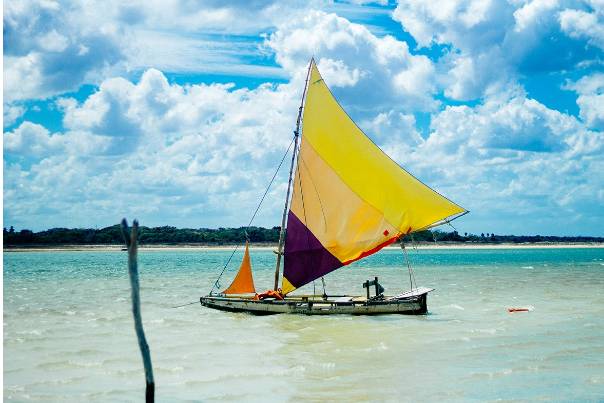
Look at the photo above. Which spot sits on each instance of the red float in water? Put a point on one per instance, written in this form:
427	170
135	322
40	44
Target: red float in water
518	309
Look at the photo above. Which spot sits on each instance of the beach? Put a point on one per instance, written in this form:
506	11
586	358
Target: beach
68	331
265	247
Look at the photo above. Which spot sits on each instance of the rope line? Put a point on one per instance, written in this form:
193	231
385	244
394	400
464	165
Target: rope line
411	273
190	303
216	284
271	182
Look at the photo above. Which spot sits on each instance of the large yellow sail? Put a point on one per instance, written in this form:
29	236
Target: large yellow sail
350	199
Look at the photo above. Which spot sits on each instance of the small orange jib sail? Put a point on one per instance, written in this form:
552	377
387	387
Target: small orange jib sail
244	281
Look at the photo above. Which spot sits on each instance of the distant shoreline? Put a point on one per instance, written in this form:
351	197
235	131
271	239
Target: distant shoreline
166	237
264	246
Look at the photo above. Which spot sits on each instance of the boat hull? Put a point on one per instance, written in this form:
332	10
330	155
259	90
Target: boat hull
413	305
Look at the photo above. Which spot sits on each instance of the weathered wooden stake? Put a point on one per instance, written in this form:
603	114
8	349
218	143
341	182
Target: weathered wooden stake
131	243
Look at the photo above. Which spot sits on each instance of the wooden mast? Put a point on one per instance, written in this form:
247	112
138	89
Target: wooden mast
289	183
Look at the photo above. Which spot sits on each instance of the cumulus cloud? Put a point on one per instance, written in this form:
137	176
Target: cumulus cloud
154	111
583	24
31	139
205	152
34	140
395	132
519	123
378	70
472	77
590	99
493	43
11	113
473	28
183	149
512	157
192	155
51	48
468	24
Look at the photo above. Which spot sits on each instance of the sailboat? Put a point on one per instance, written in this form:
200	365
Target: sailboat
349	201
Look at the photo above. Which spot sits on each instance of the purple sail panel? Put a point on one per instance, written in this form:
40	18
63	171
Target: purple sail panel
305	258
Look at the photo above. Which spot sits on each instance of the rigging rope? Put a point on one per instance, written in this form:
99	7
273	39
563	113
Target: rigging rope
451	225
216	284
411	274
416	254
190	303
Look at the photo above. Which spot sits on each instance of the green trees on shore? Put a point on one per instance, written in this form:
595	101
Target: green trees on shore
147	235
224	236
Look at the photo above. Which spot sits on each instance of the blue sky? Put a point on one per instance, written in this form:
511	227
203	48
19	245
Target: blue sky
177	112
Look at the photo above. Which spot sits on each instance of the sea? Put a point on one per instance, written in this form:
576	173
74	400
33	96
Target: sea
69	335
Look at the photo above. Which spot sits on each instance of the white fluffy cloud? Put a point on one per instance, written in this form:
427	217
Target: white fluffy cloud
474	29
467	24
51	47
200	153
11	113
590	99
393	125
193	155
584	24
349	55
34	140
153	111
516	164
204	153
492	43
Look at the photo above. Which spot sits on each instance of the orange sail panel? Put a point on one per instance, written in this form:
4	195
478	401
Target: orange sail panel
244	281
349	198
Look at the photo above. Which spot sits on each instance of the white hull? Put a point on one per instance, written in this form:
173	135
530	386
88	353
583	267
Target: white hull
410	303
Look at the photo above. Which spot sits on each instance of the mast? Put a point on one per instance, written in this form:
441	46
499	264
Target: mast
289	183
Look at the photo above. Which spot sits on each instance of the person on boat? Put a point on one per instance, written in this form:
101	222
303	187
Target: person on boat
269	294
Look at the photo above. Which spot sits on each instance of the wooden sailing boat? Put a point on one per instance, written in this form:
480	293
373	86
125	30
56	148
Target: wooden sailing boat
349	201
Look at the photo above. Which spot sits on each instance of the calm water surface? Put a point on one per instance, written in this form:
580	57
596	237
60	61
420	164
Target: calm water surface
68	332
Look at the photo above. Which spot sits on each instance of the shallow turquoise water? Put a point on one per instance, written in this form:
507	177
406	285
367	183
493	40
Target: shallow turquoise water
68	333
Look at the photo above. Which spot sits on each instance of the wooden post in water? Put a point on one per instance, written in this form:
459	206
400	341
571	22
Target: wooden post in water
131	243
